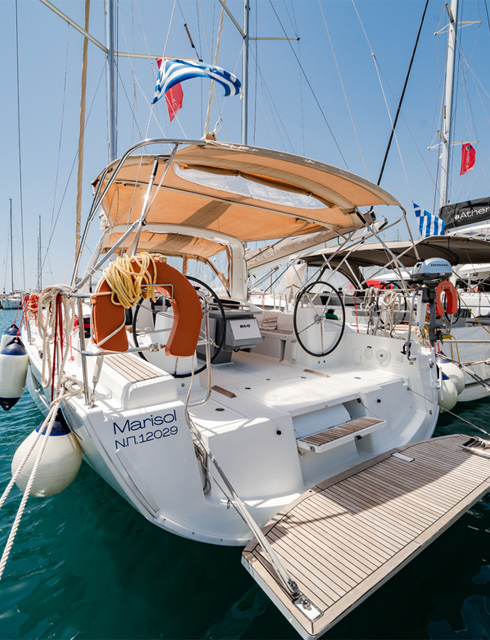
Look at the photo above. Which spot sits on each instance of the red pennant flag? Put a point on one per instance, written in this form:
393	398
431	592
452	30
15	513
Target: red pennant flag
467	158
174	98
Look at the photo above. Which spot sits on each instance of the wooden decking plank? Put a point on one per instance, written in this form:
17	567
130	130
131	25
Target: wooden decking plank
435	472
413	484
312	586
360	503
347	548
424	495
132	368
348	532
379	490
262	567
329	581
373	537
366	517
351	573
340	431
412	504
357	529
308	581
446	459
457	481
387	535
448	519
348	527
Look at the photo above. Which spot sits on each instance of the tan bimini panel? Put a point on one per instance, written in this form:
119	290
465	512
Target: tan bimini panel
172	244
243	192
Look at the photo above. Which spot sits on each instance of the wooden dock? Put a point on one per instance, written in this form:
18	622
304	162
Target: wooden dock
344	538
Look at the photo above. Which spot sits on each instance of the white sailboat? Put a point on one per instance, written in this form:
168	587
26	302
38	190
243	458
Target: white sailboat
12	300
206	420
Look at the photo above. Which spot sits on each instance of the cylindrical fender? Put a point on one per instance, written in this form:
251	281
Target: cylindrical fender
108	318
451	294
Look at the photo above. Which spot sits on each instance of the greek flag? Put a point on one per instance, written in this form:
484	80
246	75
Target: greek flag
429	224
171	72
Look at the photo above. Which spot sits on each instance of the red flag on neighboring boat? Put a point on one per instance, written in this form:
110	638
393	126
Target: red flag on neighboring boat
467	158
173	98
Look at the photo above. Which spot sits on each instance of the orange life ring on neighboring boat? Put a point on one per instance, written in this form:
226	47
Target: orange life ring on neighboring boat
107	317
451	294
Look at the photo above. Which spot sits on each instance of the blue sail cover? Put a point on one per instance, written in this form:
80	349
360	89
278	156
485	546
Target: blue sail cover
174	71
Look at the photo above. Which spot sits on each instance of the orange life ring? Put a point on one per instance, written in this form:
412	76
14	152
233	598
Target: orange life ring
184	335
451	294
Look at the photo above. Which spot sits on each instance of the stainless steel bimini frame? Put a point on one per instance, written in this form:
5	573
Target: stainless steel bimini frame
101	193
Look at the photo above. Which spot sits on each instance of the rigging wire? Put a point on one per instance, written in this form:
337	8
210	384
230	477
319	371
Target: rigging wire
400	103
300	81
19	148
70	173
191	41
311	89
379	74
216	57
343	89
60	139
274	110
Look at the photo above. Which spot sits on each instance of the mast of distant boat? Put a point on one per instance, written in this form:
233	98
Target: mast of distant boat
446	132
39	261
11	250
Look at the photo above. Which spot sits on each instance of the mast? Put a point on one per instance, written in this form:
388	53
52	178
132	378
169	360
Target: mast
11	251
446	132
39	262
111	94
246	23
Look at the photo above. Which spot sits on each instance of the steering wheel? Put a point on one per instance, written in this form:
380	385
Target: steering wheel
215	303
314	316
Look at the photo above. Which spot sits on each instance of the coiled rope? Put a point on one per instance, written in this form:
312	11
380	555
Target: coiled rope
69	387
130	279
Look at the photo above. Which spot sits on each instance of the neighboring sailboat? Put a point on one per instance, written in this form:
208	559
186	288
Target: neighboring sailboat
11	300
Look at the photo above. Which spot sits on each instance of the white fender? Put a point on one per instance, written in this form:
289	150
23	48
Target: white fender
447	394
8	335
13	372
454	373
59	464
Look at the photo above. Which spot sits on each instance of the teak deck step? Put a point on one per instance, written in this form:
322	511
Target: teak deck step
336	436
344	538
131	367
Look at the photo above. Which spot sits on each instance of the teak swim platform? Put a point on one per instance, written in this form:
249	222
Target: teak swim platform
344	538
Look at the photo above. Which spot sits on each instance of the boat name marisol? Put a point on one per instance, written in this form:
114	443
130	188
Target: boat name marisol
152	421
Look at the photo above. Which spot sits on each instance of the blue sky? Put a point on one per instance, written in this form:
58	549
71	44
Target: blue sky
313	97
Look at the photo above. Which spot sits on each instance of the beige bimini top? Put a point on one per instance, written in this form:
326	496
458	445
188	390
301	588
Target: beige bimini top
235	191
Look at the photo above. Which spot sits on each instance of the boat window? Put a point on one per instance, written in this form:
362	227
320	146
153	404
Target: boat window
249	187
203	270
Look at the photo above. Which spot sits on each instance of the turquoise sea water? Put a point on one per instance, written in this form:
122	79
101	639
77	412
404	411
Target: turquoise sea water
86	565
